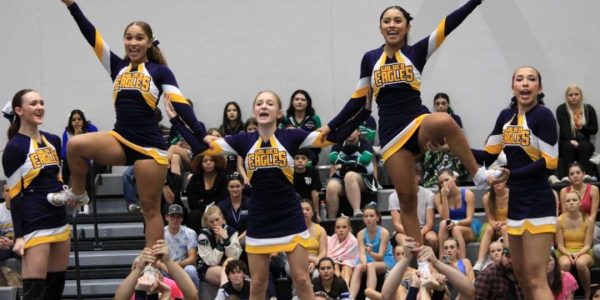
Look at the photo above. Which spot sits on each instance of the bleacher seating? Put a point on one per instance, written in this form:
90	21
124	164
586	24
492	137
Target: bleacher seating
105	261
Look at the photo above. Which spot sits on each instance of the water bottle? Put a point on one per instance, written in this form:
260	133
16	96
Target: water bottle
322	210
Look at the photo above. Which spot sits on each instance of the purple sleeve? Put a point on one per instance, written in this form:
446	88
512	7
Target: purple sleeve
198	145
109	60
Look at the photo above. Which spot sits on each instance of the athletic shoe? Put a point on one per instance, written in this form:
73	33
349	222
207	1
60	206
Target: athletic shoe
565	180
478	266
61	198
85	210
134	209
553	179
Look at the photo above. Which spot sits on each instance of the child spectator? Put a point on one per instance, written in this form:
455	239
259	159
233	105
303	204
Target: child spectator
307	181
182	242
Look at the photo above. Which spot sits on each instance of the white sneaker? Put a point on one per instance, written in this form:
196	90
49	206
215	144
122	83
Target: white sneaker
481	177
595	158
61	198
478	266
553	179
134	209
565	180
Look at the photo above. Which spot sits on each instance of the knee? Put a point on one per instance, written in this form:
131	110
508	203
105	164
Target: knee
408	201
351	177
582	265
300	278
431	238
74	144
456	233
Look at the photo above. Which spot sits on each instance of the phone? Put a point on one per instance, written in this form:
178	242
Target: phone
423	268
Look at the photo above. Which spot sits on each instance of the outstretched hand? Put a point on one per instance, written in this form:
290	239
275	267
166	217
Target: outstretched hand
325	131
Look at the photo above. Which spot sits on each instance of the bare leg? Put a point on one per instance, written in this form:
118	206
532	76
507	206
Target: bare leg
530	267
354	185
150	177
259	272
299	269
355	281
485	243
401	170
440	128
373	269
334	190
583	264
98	146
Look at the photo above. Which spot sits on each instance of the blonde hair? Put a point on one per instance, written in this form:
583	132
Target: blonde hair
210	210
580	108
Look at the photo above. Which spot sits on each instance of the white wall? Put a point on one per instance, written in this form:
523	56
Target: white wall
229	50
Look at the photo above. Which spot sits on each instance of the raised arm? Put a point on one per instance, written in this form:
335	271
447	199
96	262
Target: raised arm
430	43
109	60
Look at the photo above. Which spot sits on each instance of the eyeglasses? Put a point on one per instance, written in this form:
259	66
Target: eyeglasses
506	252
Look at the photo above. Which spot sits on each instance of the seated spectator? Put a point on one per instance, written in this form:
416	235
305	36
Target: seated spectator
328	285
562	284
235	207
180	160
425	211
216	242
307	181
595	291
130	190
577	121
368	130
495	204
456	207
374	248
433	281
450	257
495	253
342	247
317	247
206	184
590	197
435	160
301	114
144	280
251	125
233	280
7	233
352	172
574	234
77	124
498	281
232	125
182	242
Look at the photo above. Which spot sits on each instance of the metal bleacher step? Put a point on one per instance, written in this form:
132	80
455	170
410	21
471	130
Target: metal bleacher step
92	287
111	230
110	258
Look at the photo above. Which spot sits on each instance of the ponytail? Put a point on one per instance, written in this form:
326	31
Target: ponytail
17	101
155	54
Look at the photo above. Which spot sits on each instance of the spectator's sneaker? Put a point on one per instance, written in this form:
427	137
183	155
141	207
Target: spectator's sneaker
134	209
481	177
587	178
61	198
595	159
478	266
565	180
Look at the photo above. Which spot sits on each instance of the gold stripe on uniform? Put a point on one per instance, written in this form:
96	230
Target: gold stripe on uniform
159	156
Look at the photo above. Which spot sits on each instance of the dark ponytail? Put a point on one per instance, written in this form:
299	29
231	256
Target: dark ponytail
17	101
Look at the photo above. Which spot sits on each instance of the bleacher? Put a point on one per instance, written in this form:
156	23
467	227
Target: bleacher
105	258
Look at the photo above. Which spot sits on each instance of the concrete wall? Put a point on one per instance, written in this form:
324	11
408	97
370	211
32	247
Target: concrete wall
228	50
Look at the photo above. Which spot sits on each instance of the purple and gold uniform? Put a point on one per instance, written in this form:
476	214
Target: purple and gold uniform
136	91
32	169
395	84
530	143
275	220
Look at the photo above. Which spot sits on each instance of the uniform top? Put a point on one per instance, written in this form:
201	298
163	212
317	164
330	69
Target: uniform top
32	168
396	81
529	141
137	89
